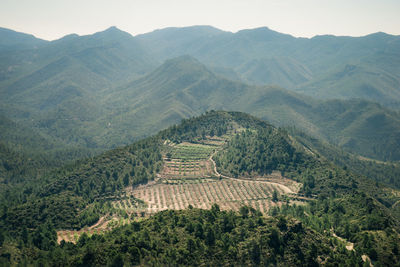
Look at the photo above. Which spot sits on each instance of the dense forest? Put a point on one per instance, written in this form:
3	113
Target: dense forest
197	237
59	196
260	152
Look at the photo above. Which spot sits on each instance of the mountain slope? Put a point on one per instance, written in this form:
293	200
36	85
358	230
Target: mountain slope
358	81
263	56
12	40
97	91
57	88
110	57
183	87
78	195
282	71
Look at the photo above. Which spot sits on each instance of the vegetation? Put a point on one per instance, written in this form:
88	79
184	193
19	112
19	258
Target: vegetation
197	237
357	218
60	196
337	203
65	103
382	172
259	152
324	66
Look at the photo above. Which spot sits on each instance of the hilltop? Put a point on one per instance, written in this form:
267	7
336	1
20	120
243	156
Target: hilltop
220	161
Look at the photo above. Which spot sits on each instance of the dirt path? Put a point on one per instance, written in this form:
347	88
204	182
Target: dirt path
396	203
349	245
284	188
98	222
365	258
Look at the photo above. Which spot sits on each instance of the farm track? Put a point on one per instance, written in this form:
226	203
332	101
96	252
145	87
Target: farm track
190	177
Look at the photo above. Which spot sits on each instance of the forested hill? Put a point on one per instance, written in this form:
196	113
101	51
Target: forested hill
312	200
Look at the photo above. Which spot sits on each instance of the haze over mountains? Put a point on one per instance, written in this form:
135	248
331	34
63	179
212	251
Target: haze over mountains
263	56
110	88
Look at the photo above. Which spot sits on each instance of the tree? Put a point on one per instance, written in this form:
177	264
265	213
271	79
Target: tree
126	180
275	196
210	237
1	237
191	245
255	252
244	211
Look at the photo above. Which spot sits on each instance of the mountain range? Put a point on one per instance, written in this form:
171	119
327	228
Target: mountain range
196	146
317	66
99	91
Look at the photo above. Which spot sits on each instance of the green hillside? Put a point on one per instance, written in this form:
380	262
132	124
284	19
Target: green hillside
204	237
57	88
75	114
362	80
183	87
112	153
334	202
380	171
12	40
317	66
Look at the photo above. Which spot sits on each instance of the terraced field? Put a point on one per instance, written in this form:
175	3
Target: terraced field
188	161
190	178
227	193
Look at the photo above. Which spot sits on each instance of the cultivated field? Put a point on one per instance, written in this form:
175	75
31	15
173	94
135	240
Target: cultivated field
190	178
227	193
188	161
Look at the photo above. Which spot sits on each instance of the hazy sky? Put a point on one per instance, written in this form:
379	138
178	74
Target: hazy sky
52	19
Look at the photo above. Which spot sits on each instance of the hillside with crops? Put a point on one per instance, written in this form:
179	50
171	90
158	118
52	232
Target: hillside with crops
267	189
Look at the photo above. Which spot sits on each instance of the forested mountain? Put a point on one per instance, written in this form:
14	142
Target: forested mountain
323	66
11	40
184	87
56	88
311	202
103	90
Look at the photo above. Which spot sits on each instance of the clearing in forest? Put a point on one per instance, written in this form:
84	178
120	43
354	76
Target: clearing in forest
190	178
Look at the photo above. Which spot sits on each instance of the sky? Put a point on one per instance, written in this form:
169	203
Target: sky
53	19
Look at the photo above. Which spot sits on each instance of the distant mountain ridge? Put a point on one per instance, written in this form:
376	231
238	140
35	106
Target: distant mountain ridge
314	66
110	88
12	40
305	64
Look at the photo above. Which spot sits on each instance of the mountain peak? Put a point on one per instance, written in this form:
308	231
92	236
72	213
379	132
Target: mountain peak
113	32
185	64
67	37
183	58
11	38
112	28
263	34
